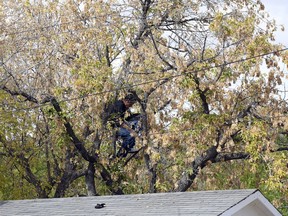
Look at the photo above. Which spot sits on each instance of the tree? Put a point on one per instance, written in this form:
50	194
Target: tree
196	68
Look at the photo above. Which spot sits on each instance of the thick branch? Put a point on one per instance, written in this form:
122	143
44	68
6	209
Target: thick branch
21	93
78	144
31	178
202	95
183	21
67	178
24	162
153	173
90	180
280	149
222	157
69	175
108	180
201	161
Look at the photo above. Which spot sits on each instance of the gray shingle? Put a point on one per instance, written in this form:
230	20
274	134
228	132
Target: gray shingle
181	203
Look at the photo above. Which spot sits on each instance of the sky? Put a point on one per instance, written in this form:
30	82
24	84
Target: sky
278	9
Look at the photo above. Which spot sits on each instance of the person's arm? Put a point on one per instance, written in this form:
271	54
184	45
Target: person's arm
126	126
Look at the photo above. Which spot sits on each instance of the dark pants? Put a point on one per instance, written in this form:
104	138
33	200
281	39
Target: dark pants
128	140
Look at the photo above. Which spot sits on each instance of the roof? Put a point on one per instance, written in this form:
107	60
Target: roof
200	203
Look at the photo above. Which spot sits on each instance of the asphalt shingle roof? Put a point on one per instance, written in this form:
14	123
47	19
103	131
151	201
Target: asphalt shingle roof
202	203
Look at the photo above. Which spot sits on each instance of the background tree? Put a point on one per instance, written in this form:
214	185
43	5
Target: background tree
208	104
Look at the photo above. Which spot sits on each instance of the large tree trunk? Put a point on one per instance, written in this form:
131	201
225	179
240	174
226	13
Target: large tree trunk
152	172
90	181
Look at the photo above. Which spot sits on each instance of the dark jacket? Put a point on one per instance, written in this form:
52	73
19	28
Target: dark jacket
114	113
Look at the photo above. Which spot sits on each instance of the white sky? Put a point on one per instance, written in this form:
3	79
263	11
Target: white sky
278	10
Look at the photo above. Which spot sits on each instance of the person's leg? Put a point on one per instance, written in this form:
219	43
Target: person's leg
128	140
131	141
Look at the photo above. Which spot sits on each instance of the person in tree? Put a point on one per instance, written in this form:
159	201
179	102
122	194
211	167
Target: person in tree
113	117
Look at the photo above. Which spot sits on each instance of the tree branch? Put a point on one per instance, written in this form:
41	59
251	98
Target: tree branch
90	180
222	157
159	54
31	178
153	173
201	161
78	144
157	86
21	93
202	95
143	25
108	180
214	157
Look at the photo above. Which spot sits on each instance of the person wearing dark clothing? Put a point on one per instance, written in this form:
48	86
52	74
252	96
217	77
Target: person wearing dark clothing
114	118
